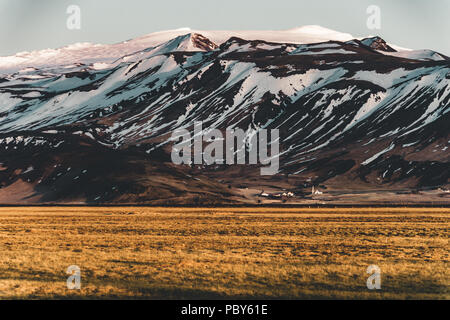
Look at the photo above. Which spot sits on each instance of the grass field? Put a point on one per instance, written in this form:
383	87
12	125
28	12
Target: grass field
188	253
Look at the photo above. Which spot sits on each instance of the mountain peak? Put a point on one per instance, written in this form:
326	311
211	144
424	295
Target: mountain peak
188	42
377	43
312	29
320	32
201	42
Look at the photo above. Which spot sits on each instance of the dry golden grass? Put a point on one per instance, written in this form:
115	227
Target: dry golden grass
223	253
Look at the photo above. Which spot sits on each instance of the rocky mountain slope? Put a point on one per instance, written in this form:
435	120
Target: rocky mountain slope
356	117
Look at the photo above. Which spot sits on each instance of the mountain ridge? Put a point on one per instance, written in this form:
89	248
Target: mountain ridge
88	53
350	118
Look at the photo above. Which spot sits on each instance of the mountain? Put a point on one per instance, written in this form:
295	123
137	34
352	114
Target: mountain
89	53
378	44
355	121
424	54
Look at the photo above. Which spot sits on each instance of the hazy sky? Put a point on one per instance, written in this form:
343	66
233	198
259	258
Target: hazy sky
27	25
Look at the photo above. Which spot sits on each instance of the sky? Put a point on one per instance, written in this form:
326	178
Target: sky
27	25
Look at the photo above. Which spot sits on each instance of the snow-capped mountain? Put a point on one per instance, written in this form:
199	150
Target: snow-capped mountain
88	53
378	44
352	114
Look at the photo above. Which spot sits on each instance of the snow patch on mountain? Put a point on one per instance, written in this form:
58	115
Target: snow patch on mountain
424	55
375	156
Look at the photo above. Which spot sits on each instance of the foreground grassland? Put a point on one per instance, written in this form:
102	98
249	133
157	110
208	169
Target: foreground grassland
165	253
